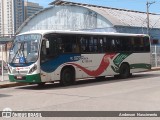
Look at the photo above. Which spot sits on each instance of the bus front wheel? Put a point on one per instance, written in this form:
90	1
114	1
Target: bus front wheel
124	71
67	77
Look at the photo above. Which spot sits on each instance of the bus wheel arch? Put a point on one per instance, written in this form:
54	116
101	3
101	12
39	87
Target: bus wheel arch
67	75
124	70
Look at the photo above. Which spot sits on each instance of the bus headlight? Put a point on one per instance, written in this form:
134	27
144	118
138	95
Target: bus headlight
33	69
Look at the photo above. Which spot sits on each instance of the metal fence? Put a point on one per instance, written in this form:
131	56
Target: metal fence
155	56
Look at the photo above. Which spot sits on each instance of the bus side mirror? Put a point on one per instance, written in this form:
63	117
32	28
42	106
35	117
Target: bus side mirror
47	44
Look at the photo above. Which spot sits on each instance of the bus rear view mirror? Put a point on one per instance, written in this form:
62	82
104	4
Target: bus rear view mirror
47	44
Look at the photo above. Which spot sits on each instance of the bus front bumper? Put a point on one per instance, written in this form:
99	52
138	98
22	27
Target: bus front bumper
25	78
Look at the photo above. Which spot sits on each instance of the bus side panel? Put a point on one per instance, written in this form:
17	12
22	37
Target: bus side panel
89	65
78	72
94	65
51	70
45	77
86	62
139	62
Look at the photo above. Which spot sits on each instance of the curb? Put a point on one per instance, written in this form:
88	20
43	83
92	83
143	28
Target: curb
155	69
10	84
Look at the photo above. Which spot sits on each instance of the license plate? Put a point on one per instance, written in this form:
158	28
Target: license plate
19	77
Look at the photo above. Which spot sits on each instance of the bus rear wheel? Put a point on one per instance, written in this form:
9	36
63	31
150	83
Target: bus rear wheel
124	71
67	77
42	84
100	78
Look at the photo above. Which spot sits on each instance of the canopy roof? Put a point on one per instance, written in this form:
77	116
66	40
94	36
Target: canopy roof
119	17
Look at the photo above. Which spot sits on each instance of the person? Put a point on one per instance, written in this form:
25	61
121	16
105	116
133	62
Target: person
76	48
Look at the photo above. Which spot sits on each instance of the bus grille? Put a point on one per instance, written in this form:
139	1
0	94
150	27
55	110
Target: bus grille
19	72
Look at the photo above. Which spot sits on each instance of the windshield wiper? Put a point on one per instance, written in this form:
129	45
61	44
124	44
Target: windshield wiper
20	52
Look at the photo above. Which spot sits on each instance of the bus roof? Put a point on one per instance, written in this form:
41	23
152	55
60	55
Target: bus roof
44	32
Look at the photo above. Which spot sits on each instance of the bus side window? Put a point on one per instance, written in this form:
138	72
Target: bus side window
94	44
76	45
68	48
43	48
85	44
69	43
118	46
113	45
141	44
43	51
132	44
108	44
104	44
146	44
137	44
101	45
82	42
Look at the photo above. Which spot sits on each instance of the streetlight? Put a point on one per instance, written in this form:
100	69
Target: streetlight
148	5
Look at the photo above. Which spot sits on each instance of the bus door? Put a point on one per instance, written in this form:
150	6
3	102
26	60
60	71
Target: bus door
49	53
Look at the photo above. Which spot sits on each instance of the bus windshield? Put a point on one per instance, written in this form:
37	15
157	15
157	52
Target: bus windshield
25	49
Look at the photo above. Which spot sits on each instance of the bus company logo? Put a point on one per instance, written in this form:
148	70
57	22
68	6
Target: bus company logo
17	69
22	68
7	113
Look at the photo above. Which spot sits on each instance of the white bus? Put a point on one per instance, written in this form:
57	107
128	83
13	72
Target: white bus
66	56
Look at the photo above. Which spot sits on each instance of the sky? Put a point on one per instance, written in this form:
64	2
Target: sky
137	5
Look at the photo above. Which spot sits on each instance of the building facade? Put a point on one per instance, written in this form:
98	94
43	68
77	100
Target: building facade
31	8
1	29
18	13
13	13
11	16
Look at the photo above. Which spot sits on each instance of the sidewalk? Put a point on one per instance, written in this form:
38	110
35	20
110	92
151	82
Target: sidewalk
6	83
155	68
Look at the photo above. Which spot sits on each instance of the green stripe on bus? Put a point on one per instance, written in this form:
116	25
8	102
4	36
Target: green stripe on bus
118	60
140	65
29	79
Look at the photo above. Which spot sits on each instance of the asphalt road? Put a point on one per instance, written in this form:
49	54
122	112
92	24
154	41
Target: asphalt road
141	92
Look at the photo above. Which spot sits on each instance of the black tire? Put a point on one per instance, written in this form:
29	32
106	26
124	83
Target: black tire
67	77
42	84
117	76
124	71
100	78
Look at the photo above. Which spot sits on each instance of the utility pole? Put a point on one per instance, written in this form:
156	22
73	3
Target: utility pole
148	5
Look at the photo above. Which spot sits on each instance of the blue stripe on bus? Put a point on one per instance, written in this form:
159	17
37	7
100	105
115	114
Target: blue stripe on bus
53	64
20	64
